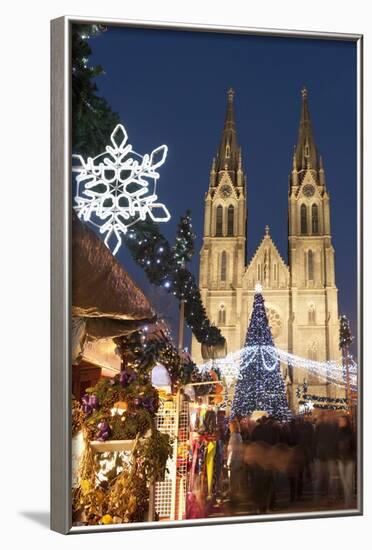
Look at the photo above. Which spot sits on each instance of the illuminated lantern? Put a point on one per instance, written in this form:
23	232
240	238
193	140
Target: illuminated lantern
160	379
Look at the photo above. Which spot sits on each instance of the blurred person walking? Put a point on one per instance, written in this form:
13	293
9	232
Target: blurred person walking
235	461
346	458
326	453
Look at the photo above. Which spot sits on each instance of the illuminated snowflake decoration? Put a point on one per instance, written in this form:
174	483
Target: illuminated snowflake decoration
117	188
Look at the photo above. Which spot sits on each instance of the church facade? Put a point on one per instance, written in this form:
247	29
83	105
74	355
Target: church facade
300	291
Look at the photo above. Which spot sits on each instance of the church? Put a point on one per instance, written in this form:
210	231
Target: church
300	291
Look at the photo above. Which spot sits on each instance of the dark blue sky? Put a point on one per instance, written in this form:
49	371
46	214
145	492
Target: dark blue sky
170	87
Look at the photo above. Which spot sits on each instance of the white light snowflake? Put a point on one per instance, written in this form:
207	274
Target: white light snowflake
117	188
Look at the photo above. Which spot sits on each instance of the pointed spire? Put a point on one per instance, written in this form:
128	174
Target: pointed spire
228	153
230	119
294	162
212	174
322	179
306	152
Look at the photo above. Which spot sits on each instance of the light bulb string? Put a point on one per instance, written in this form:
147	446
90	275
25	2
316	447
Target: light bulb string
235	362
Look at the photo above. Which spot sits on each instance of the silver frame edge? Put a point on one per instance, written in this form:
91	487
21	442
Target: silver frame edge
60	517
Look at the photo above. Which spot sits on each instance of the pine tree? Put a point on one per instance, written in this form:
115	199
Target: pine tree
92	118
183	248
260	386
345	333
92	123
345	341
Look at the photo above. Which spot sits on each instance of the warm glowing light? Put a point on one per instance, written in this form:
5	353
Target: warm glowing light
160	378
230	366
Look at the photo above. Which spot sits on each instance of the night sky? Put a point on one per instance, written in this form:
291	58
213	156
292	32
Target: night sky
170	87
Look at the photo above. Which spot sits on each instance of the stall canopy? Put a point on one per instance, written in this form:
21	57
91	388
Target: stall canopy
106	303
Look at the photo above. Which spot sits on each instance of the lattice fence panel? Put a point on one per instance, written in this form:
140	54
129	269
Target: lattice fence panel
166	422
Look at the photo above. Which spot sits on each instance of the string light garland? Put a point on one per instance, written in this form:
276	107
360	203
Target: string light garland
331	371
164	266
102	187
117	188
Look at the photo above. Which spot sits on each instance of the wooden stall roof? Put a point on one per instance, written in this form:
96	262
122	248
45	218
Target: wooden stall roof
100	285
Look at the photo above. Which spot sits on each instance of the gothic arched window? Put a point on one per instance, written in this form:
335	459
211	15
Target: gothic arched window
310	265
219	218
222	315
223	266
275	272
227	151
303	219
314	219
259	272
311	314
230	221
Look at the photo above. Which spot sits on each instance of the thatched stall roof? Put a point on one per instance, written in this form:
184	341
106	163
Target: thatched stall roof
103	294
100	285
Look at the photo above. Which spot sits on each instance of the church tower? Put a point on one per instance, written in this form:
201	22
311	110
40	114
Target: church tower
313	326
300	292
223	254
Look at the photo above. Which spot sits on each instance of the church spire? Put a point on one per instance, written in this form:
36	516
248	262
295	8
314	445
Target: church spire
228	152
306	153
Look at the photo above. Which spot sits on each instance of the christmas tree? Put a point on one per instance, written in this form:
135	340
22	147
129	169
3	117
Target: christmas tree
260	386
345	333
92	118
183	249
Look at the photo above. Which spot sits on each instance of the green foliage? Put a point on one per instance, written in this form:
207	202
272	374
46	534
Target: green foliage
183	249
155	451
92	118
151	250
346	338
143	359
127	426
92	124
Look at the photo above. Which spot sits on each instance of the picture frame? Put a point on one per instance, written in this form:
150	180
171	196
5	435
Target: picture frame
61	274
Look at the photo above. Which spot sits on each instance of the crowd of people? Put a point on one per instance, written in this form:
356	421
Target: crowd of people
267	459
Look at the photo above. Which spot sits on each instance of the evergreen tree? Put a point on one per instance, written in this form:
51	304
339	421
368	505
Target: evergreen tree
183	248
260	386
93	121
345	333
151	250
345	341
92	118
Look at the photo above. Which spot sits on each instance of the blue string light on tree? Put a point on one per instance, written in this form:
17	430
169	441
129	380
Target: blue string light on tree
260	386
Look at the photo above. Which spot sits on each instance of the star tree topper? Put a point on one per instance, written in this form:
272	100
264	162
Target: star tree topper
117	188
